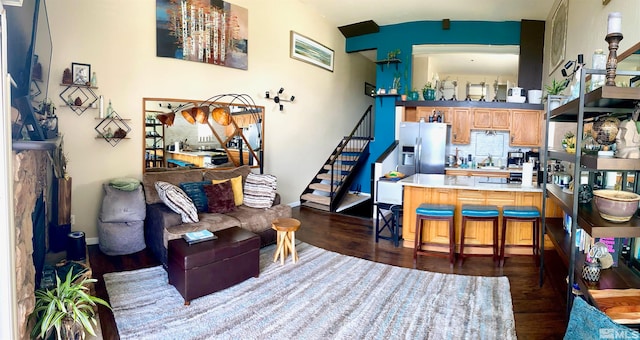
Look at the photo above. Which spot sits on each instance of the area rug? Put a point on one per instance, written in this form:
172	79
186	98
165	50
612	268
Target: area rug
325	295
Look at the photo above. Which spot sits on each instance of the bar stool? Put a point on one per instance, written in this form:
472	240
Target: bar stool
434	212
521	214
480	213
391	223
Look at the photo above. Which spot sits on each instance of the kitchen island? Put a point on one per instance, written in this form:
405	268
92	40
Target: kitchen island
459	190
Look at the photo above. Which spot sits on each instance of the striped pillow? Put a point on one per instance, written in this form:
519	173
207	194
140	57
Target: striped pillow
259	191
177	201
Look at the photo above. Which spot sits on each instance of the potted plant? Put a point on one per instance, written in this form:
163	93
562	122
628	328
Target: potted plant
554	90
68	309
428	92
393	55
395	86
569	142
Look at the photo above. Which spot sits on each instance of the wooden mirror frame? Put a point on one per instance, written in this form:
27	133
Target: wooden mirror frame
157	156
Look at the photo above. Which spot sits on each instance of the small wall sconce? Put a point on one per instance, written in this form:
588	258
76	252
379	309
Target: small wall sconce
279	98
577	65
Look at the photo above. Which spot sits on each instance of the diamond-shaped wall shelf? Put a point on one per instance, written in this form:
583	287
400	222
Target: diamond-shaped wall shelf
113	129
82	92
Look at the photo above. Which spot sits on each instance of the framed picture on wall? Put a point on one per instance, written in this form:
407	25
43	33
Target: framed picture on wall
81	73
310	51
558	35
369	90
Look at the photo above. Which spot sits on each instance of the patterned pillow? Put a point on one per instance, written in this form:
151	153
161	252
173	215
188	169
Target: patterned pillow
236	186
177	201
220	197
195	191
259	191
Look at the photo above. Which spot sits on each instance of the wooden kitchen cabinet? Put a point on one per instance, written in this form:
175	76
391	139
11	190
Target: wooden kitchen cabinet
433	231
495	119
526	128
461	126
477	232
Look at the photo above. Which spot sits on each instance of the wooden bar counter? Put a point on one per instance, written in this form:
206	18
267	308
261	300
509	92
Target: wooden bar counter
459	190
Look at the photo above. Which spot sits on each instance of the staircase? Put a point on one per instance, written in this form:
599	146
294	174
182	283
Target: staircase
330	186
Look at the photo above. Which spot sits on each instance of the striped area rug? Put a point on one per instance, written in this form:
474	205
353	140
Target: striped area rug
324	296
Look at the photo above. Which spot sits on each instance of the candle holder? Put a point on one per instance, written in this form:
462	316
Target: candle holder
612	61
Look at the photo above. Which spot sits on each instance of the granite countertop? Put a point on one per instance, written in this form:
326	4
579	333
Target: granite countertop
463	182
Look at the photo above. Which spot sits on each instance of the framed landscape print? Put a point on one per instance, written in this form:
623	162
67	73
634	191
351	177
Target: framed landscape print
311	51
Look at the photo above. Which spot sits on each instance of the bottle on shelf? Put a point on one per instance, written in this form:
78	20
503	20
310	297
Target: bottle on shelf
94	79
109	109
101	107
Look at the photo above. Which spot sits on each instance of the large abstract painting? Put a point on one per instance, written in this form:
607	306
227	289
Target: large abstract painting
208	31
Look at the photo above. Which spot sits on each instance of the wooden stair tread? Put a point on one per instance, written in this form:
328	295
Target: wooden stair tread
338	167
316	206
322	187
325	200
345	158
327	177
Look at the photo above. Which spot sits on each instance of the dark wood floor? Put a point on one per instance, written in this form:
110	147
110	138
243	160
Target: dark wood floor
539	311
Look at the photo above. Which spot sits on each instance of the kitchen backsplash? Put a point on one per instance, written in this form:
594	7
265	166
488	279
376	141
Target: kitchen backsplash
483	144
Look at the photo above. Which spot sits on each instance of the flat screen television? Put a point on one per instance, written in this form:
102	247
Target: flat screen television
30	49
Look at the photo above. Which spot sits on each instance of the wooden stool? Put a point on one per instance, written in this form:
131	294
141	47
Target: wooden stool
286	238
434	212
521	214
480	213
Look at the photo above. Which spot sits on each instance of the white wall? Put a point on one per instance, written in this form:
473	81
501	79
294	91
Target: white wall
587	28
117	37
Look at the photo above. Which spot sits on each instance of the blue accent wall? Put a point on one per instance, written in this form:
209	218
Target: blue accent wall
403	37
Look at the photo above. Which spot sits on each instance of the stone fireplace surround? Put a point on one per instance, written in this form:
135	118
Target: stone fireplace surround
32	173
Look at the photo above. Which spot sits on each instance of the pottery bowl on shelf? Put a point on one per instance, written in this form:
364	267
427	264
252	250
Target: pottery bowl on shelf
616	205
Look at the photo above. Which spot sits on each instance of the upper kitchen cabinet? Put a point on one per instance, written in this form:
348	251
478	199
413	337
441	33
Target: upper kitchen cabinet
526	128
494	119
461	126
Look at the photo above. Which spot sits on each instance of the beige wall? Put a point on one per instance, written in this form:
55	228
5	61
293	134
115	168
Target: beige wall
587	28
117	37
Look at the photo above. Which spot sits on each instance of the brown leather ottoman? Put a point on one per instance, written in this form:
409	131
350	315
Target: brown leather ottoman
203	268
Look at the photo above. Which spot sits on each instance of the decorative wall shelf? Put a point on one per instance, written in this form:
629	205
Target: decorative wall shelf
113	128
388	62
385	95
85	93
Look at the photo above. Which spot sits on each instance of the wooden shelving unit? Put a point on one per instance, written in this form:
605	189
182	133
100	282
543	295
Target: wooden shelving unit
586	108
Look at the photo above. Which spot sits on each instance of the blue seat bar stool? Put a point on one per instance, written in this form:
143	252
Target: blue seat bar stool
480	213
434	212
390	222
521	214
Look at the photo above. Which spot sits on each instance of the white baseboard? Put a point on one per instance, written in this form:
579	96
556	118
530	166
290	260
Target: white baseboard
92	240
294	204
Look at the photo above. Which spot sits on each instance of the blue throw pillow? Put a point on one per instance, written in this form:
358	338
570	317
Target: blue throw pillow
195	191
587	322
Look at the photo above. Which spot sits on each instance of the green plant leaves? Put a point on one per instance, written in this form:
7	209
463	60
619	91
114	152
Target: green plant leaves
69	300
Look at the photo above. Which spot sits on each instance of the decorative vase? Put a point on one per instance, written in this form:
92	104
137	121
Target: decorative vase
413	95
429	94
591	271
393	91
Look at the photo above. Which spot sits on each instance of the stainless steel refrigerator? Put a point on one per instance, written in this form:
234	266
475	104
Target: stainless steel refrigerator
422	147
